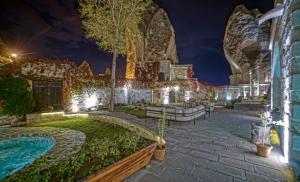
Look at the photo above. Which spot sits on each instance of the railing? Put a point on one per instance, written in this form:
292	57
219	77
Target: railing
176	113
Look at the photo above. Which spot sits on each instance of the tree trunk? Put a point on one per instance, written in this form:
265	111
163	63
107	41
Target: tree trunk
113	81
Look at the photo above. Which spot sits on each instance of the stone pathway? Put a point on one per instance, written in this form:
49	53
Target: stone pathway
67	141
214	150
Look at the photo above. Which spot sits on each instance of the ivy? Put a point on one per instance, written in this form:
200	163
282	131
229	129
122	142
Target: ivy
15	96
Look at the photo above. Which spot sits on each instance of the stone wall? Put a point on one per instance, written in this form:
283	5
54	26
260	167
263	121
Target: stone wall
288	41
91	97
154	42
7	120
246	45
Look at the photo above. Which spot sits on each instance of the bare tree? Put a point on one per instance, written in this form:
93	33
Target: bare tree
109	22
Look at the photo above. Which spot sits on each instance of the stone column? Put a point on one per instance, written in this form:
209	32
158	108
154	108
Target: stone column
251	83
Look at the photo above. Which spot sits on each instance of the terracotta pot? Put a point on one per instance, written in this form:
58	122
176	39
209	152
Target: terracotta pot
160	154
263	150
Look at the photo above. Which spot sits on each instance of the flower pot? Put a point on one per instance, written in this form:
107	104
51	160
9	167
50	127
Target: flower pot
263	150
160	154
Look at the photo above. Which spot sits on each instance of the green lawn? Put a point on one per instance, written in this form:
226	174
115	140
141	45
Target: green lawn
130	110
105	144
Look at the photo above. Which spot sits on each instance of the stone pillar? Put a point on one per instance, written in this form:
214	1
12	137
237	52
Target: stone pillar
251	83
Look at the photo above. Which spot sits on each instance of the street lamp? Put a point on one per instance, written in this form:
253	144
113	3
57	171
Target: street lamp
14	55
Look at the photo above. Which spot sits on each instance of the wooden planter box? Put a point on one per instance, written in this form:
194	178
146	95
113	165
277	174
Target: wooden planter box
126	167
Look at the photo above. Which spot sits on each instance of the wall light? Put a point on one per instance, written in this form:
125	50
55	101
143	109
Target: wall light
74	105
187	95
166	95
176	88
90	100
14	55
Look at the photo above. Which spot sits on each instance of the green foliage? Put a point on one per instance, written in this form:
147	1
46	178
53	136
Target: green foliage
16	95
109	22
228	106
140	113
162	128
105	144
264	120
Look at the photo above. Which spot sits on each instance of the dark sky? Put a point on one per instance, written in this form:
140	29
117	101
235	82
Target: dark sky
52	29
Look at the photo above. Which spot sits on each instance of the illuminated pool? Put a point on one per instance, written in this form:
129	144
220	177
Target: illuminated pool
16	153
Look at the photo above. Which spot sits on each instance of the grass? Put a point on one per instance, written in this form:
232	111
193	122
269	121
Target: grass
140	113
105	144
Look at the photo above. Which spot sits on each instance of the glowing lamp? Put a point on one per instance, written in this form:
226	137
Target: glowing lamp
75	107
90	101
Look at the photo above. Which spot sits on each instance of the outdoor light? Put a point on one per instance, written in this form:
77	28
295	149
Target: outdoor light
166	95
228	97
14	55
176	88
187	95
75	103
125	88
90	100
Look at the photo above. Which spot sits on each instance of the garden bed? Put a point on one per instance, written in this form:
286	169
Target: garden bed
106	144
126	167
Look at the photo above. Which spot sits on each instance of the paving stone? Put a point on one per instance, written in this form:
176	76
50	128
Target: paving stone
198	162
231	154
171	175
213	147
150	178
156	167
206	175
181	149
254	159
225	169
237	163
253	177
205	155
198	148
238	180
213	150
272	173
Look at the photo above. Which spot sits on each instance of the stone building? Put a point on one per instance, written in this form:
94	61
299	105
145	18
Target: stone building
152	54
51	81
246	49
285	75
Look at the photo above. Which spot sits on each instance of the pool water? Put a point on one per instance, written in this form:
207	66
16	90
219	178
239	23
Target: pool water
16	153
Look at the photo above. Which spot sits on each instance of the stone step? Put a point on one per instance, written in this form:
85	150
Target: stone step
18	123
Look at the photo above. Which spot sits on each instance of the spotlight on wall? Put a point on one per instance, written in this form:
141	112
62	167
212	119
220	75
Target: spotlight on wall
166	95
75	103
90	100
14	55
176	88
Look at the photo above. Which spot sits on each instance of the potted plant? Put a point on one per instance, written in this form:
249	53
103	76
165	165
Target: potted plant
161	148
263	148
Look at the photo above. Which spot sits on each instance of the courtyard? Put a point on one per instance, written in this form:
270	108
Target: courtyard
217	149
150	91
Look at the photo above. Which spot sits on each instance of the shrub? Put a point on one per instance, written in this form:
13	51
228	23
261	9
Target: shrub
16	96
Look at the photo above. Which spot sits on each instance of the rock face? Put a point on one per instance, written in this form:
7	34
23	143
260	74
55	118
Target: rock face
155	41
245	43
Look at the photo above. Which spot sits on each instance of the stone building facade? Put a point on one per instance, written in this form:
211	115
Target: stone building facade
285	53
246	49
152	54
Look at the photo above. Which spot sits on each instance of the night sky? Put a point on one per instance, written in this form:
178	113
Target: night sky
52	29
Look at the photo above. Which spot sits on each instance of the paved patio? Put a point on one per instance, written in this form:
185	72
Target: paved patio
214	150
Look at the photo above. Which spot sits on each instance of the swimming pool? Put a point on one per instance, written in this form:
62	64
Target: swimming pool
16	153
